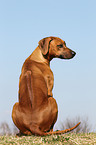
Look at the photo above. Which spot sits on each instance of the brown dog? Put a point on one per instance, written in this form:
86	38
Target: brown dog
36	112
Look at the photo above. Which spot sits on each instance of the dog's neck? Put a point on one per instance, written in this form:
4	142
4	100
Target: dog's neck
38	56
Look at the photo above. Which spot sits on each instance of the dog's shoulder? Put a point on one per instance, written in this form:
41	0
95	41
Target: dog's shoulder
35	66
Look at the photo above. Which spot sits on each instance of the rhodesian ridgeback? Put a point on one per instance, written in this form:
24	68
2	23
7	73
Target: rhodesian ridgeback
36	112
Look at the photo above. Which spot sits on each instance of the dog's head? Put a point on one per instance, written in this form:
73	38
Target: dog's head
54	47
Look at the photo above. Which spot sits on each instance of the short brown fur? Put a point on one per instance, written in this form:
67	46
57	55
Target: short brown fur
36	112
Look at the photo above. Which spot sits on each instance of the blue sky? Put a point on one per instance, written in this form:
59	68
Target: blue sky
22	24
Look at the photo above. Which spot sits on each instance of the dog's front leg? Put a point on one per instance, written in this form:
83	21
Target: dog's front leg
49	81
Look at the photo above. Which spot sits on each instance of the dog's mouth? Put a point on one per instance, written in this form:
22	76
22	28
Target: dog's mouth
67	55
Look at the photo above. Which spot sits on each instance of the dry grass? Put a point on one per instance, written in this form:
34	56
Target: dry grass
65	139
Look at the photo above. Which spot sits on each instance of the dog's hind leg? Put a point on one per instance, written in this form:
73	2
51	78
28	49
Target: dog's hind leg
17	116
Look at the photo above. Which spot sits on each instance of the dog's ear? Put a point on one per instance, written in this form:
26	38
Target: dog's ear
44	45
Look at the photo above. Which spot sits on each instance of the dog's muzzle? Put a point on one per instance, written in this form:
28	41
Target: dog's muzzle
67	55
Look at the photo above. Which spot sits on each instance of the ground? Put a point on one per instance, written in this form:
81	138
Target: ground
65	139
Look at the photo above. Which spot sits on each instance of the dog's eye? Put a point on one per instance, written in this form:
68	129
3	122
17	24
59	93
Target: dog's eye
60	46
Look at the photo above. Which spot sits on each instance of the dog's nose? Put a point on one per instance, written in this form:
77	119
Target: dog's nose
73	53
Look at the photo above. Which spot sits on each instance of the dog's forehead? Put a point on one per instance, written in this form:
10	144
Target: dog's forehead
57	40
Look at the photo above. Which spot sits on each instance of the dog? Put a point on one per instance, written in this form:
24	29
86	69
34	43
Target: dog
37	111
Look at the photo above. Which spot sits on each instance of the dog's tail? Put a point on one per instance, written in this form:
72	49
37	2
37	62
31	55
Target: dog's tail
63	131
